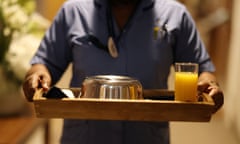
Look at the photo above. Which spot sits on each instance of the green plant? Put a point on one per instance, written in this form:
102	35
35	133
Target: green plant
21	30
15	21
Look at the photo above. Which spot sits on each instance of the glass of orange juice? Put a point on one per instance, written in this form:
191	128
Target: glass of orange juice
186	78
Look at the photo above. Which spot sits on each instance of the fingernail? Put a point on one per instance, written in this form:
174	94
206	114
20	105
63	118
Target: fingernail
45	85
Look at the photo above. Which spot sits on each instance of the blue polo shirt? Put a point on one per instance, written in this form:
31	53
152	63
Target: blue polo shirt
160	33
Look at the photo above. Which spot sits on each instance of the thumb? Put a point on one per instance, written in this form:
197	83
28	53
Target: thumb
44	83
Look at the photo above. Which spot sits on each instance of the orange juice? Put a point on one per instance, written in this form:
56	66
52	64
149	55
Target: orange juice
186	86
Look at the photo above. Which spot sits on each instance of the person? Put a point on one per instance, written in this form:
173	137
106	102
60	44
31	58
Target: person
136	38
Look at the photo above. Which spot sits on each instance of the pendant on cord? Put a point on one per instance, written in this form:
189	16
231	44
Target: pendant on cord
112	48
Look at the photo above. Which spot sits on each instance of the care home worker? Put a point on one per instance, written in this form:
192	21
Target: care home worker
136	38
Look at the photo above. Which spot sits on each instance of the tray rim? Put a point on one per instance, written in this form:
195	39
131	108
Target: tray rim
39	101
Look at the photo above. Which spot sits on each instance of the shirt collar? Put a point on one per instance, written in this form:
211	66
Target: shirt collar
145	4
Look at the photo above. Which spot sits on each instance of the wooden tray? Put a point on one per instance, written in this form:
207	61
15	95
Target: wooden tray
152	108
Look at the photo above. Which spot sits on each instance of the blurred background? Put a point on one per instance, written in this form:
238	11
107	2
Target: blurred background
23	23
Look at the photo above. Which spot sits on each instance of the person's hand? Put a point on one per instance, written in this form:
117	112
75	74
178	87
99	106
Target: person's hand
36	78
213	90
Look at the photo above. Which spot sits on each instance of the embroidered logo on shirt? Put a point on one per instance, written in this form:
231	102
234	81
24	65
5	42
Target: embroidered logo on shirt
160	31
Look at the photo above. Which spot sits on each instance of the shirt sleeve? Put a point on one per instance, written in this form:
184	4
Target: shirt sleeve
189	46
54	50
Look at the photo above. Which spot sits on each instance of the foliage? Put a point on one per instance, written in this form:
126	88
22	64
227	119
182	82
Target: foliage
21	29
15	20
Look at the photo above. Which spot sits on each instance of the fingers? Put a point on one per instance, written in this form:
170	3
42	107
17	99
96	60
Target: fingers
208	86
37	77
203	86
44	83
217	95
34	82
213	90
29	86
